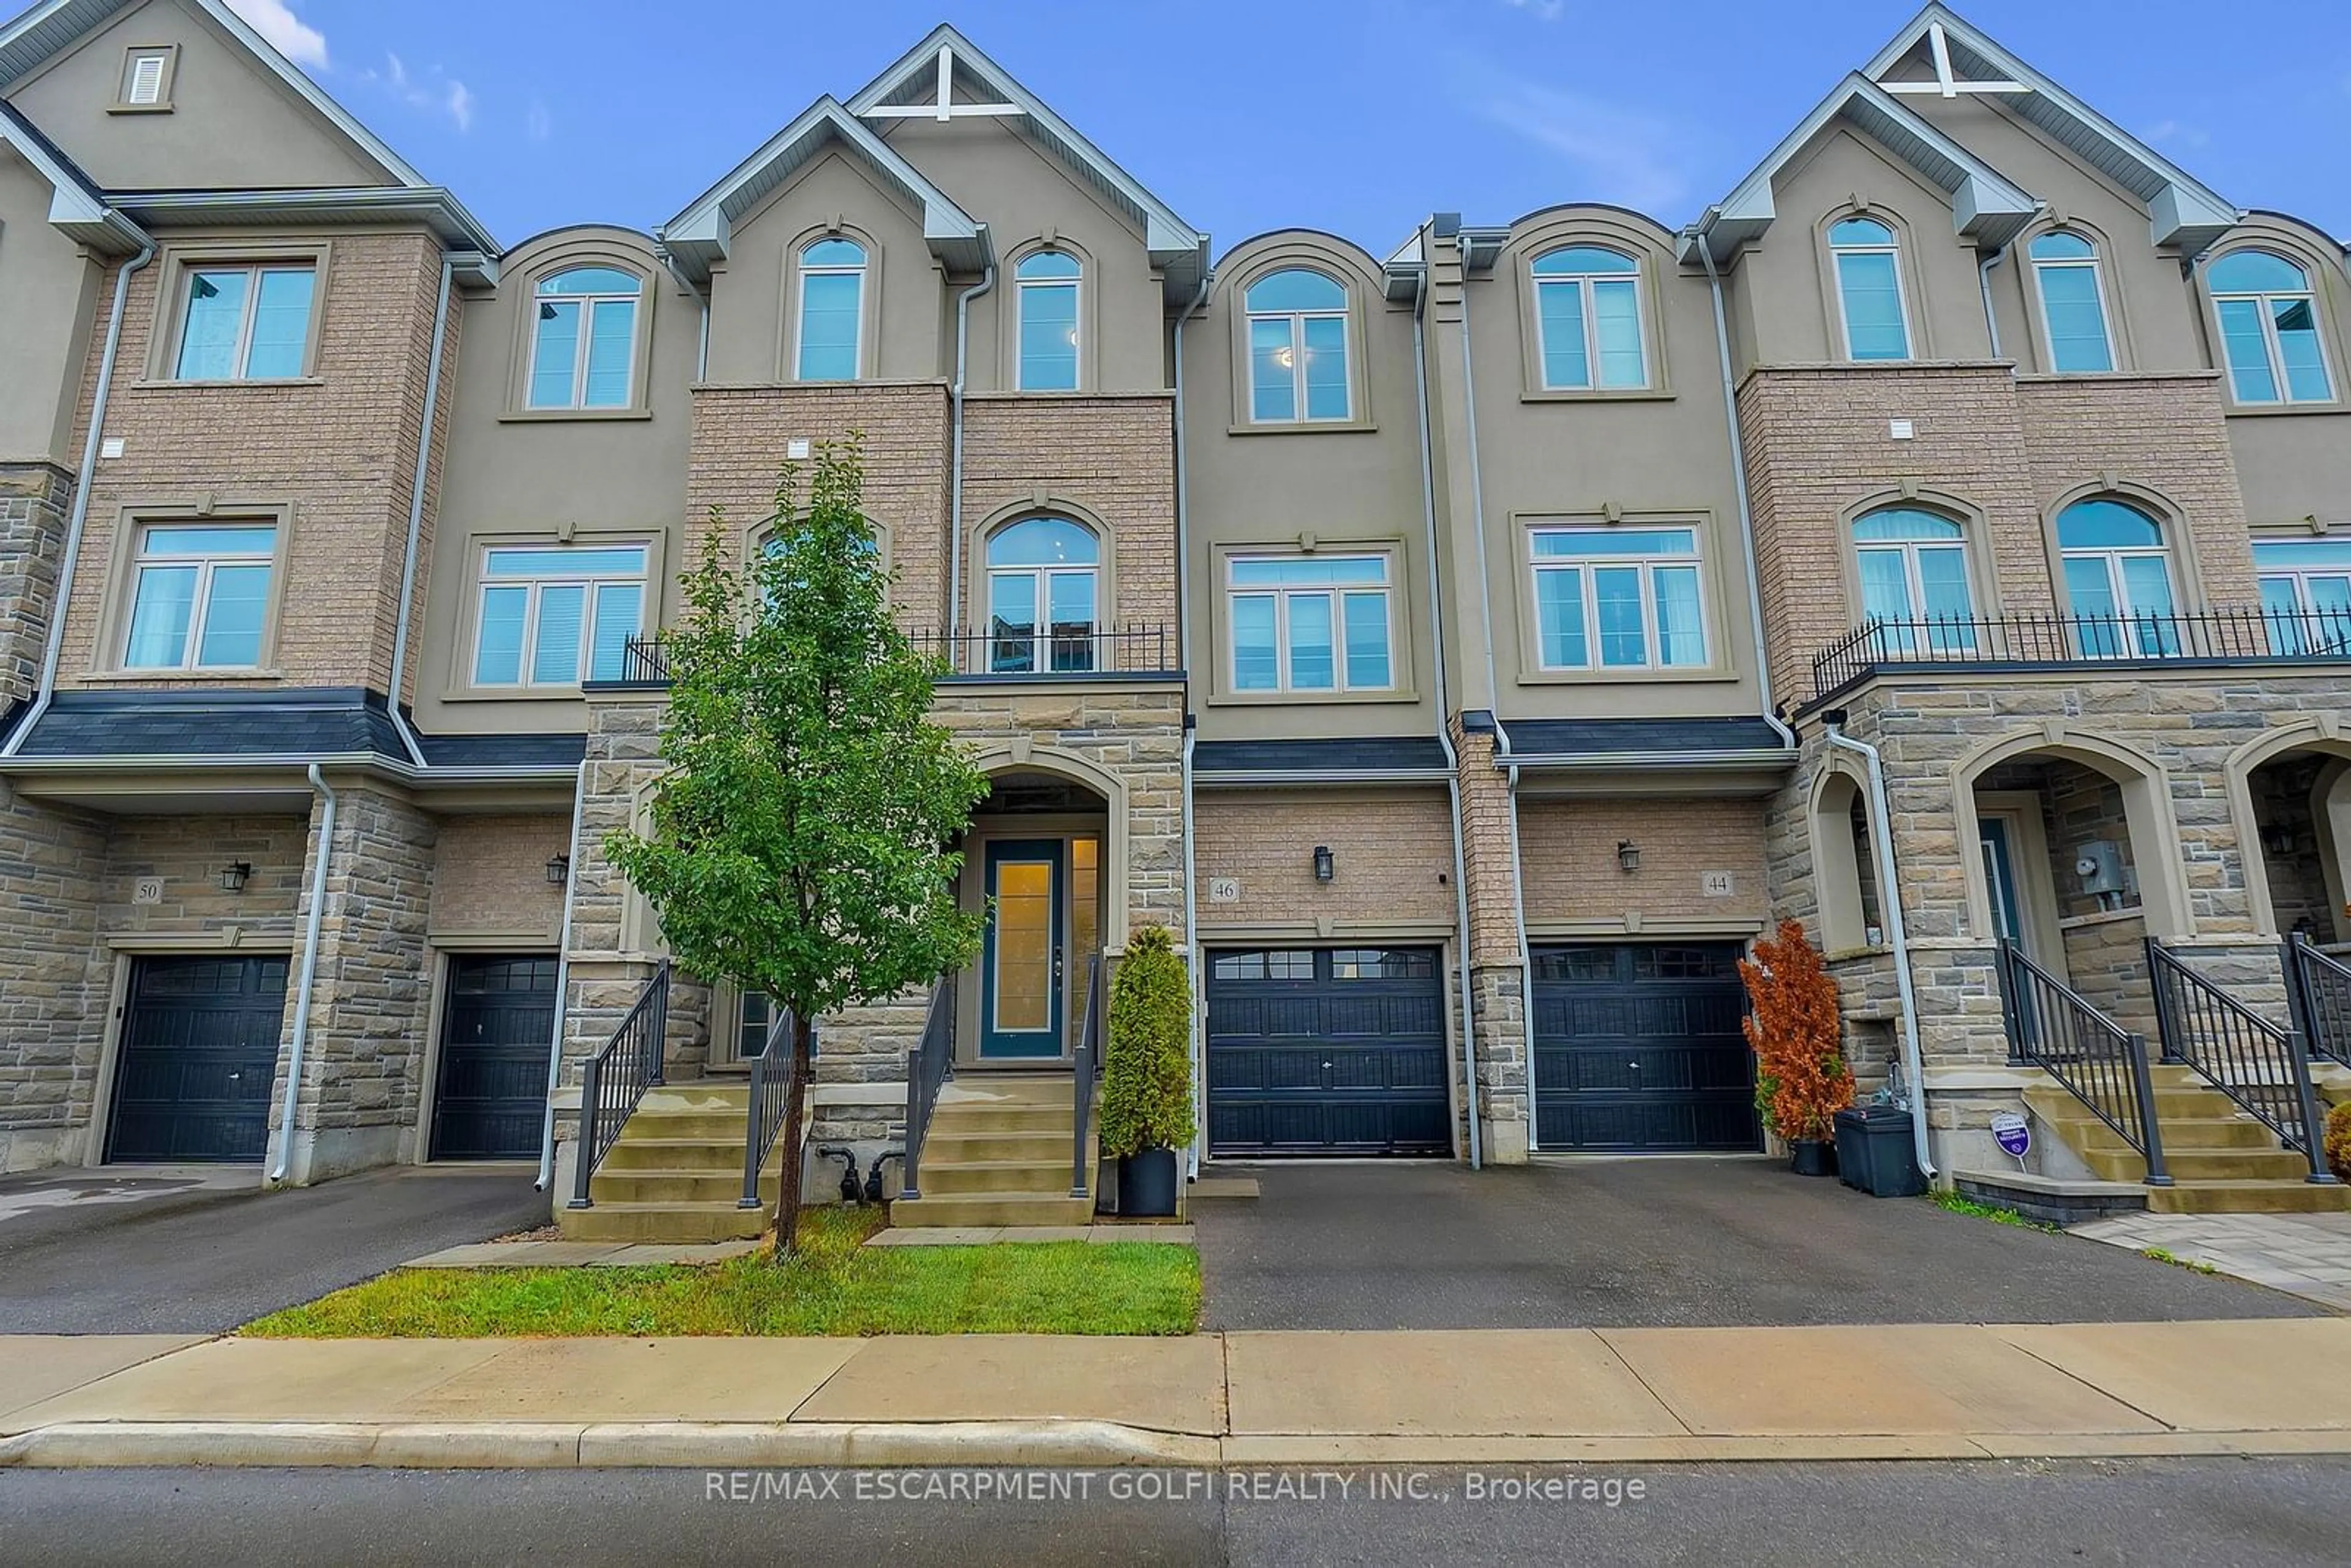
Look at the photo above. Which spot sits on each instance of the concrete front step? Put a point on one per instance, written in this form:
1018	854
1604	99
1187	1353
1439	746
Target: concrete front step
961	1148
2200	1164
2248	1198
944	1179
1011	1117
703	1186
663	1122
2084	1134
988	1087
662	1222
986	1208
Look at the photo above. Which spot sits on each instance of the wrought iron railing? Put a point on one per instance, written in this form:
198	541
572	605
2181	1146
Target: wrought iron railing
771	1096
1044	653
1957	642
2319	986
928	1066
2264	1068
616	1078
1087	1062
644	662
2086	1053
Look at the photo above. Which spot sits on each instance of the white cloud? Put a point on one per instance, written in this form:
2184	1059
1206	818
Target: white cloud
1623	155
436	92
1540	10
537	123
2175	130
286	32
461	105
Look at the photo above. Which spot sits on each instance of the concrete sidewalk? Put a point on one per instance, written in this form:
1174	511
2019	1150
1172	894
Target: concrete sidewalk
1925	1391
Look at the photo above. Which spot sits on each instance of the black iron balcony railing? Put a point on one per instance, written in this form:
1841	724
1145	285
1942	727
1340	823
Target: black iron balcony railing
1001	652
1998	641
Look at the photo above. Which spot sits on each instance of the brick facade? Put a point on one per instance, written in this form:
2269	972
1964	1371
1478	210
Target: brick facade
1574	882
1392	861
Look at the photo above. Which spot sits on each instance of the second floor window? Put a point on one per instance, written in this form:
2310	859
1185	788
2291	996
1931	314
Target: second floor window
200	596
1043	597
2269	329
584	343
2073	304
1618	597
1310	623
1047	282
2117	580
1869	290
833	311
1298	348
554	615
1588	313
2306	593
1914	578
245	323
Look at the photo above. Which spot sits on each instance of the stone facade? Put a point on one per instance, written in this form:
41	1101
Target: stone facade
55	861
33	500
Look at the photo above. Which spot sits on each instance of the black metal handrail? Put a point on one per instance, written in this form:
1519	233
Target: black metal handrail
1087	1061
771	1095
615	1078
2088	1054
929	1065
644	662
2319	986
1043	653
1960	642
2264	1068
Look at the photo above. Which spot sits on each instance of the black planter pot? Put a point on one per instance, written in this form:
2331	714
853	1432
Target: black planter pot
1812	1156
1147	1184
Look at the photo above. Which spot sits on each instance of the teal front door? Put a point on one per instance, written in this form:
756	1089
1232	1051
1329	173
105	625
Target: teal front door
1020	1010
2000	881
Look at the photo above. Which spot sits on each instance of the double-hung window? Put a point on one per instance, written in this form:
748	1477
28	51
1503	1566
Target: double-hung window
2073	304
1297	349
1618	597
2117	580
199	596
2307	594
584	343
245	323
1310	623
1046	284
1588	313
552	615
833	311
1869	289
1913	580
2269	329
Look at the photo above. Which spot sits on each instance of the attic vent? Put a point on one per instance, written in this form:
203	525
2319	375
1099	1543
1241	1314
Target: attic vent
147	78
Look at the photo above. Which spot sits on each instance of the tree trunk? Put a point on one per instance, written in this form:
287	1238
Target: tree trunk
788	1202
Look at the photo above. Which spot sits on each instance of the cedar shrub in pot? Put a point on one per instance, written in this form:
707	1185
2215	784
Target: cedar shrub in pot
1146	1092
1801	1079
2337	1143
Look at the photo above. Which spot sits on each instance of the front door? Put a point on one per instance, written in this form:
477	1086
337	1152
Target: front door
1021	961
2000	880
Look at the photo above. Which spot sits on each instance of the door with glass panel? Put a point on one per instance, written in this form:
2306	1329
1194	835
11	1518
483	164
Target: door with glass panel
1023	959
1914	581
2117	581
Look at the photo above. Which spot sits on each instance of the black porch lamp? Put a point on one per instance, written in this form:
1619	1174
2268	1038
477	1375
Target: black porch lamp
1325	864
234	876
1628	855
559	870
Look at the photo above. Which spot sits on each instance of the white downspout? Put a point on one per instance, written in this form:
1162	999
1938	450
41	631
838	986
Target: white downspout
79	515
1196	959
1889	899
955	492
310	973
562	989
1983	282
416	515
702	338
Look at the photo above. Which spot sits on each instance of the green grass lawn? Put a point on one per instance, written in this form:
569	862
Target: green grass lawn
832	1285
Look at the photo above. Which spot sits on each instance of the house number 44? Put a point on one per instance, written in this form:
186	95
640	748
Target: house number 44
1715	883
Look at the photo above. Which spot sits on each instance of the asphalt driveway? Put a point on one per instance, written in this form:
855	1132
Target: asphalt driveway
123	1251
1655	1242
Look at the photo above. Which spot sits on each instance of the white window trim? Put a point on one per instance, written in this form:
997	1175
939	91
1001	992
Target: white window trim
2126	613
1914	581
1837	252
2264	300
588	304
1076	286
200	603
1650	649
1582	282
799	309
589	580
1281	594
2095	262
2299	576
1297	320
242	355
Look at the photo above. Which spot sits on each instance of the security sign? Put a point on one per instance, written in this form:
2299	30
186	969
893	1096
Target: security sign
2012	1133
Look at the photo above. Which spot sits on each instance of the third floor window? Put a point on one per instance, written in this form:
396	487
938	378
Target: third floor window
245	323
1046	284
1869	289
2073	304
584	343
831	311
2269	329
1588	310
1298	348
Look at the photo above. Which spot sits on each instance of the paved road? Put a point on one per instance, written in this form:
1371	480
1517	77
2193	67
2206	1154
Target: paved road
110	1251
2245	1513
1620	1243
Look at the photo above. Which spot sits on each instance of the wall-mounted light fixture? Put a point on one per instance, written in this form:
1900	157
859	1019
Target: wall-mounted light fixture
559	870
2278	839
1628	855
234	876
1326	865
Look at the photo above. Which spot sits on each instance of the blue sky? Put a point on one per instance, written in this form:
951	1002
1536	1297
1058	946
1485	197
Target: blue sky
1355	116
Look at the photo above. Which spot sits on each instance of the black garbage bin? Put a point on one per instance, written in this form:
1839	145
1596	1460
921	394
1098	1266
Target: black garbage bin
1875	1152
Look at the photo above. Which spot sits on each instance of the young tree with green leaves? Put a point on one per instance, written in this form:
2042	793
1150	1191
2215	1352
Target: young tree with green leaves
802	835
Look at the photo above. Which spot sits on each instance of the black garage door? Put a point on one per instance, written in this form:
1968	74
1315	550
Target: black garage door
1327	1050
1637	1047
199	1051
491	1102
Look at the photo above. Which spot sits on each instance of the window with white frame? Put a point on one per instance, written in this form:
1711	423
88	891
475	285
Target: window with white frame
2117	580
2305	594
2073	304
1310	623
1044	596
1588	315
1618	597
552	615
199	596
584	338
1869	289
245	323
1046	284
1298	348
1914	578
2269	329
833	311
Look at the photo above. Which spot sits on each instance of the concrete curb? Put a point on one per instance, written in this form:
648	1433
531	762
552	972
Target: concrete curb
708	1445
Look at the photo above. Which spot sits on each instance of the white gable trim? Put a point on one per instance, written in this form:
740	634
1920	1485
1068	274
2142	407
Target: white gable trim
76	206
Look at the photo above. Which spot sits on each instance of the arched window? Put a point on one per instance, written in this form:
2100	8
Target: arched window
1046	284
1869	290
1298	348
1914	578
2269	329
2073	304
1043	597
584	339
1588	311
2117	580
833	311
